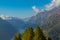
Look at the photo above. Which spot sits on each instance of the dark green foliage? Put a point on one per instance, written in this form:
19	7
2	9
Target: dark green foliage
29	34
24	36
17	36
39	34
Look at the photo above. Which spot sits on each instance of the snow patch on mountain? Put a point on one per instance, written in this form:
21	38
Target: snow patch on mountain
4	17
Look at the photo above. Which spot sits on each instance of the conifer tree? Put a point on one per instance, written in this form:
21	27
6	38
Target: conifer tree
28	34
38	34
24	35
17	36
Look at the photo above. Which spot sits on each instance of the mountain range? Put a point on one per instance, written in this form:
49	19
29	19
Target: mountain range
48	20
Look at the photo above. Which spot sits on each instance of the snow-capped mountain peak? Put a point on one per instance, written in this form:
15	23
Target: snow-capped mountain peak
4	17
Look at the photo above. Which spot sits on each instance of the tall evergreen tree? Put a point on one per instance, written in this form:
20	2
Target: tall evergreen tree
38	34
28	34
24	35
17	36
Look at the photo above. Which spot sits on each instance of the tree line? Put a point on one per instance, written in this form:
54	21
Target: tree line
30	34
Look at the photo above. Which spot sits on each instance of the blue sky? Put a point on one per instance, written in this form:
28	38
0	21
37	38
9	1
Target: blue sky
20	8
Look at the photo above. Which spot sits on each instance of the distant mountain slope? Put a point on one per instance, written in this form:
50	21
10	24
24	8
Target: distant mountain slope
52	25
55	32
26	19
40	17
17	23
7	31
52	20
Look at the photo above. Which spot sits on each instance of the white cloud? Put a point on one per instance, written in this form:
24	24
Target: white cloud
54	3
37	10
50	6
57	2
